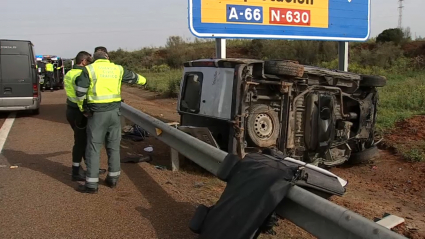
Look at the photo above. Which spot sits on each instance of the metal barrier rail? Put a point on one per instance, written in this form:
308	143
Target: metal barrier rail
314	214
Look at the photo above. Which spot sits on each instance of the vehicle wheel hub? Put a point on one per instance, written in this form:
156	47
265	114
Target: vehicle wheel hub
263	126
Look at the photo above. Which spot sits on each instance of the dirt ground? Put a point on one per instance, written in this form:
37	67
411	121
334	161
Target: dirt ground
388	185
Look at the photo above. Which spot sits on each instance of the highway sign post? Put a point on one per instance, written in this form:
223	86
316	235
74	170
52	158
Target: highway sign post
329	20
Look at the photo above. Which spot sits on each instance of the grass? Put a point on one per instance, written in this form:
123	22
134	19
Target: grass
401	98
413	152
166	83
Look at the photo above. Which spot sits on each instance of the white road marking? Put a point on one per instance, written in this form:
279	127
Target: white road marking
5	129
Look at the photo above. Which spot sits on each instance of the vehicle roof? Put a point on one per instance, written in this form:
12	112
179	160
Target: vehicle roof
16	47
11	40
14	40
235	60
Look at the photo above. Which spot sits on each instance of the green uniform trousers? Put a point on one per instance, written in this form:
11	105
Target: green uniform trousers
78	124
103	127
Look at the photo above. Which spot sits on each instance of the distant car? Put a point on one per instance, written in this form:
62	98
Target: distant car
20	88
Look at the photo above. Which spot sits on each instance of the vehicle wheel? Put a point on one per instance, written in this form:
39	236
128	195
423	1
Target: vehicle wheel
364	156
320	71
263	125
373	81
289	68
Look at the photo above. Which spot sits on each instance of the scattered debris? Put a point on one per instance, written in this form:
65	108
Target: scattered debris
389	221
160	167
199	184
174	124
137	159
135	133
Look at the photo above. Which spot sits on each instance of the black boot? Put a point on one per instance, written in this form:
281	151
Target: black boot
84	189
78	174
111	182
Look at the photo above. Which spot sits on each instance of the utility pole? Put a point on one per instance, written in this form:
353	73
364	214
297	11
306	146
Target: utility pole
400	12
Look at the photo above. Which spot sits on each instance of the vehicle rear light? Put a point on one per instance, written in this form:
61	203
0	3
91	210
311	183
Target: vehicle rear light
35	90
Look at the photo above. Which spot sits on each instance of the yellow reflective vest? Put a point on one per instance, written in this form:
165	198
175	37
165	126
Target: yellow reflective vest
49	67
70	87
105	82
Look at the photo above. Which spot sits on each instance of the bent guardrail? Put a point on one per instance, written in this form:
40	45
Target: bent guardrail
314	214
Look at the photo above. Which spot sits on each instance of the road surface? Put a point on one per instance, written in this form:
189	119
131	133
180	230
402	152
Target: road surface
38	198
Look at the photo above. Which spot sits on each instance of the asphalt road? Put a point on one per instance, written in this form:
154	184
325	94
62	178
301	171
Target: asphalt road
38	198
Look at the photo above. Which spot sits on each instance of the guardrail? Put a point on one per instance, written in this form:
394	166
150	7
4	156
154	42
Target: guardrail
314	214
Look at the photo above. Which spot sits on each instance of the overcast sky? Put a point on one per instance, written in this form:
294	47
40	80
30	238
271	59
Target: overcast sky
65	27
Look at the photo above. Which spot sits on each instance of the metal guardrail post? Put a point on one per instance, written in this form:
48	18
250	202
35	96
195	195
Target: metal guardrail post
314	214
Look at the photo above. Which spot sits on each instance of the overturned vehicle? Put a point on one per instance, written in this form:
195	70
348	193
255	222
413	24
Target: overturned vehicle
320	116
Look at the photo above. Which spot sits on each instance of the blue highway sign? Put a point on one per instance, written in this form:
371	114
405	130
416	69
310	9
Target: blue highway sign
332	20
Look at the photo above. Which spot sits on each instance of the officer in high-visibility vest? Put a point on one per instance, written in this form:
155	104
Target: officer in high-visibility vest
100	48
75	117
49	74
100	83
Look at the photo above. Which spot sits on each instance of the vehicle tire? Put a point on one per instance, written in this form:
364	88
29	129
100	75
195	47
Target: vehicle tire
263	125
364	156
373	81
320	71
288	68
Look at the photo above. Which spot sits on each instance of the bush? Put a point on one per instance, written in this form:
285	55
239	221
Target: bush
167	83
394	35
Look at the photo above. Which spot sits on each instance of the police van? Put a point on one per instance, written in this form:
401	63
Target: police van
19	80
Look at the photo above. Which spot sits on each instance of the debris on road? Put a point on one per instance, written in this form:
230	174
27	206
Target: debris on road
160	167
149	149
199	184
389	221
135	133
13	166
137	159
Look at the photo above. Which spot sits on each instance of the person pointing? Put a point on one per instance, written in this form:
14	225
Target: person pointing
100	85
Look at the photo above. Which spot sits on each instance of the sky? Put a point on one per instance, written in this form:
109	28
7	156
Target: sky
65	27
